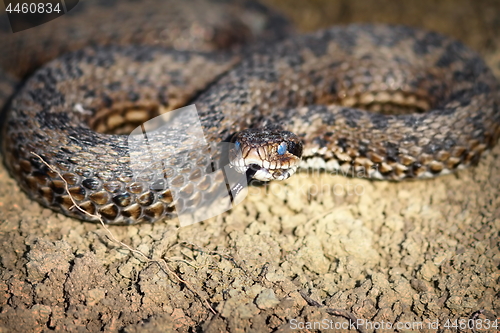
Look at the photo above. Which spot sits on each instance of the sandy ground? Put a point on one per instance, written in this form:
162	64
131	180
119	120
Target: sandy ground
420	253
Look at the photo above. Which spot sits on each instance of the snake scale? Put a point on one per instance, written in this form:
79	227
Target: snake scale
374	101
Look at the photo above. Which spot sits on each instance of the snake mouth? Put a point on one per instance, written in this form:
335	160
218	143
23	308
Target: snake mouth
266	154
264	174
262	171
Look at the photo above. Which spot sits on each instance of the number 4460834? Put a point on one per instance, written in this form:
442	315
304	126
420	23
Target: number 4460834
474	324
34	8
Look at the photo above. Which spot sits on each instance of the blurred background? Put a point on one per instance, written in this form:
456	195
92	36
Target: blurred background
474	22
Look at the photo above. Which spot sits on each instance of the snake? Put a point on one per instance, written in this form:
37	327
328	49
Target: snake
371	101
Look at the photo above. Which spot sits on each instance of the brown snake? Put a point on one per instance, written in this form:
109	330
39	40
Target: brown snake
371	100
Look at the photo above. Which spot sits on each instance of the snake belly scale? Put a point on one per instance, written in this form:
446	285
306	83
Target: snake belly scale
386	102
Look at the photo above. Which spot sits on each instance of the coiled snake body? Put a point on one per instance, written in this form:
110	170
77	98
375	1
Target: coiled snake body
372	100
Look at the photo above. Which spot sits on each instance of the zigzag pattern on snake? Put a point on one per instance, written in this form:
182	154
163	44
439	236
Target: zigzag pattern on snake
383	102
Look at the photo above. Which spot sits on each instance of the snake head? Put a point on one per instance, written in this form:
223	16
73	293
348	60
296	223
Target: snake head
268	153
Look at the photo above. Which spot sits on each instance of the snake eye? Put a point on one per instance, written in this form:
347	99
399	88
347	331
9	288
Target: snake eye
295	148
282	148
237	145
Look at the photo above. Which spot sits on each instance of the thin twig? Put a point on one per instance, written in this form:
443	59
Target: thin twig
318	217
195	247
473	317
166	268
334	312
